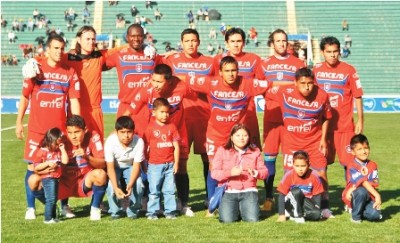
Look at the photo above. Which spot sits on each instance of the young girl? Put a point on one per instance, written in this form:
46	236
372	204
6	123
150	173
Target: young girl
239	164
47	161
300	191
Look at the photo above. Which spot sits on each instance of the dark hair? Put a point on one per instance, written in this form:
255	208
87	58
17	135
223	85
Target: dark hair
163	69
301	154
83	29
329	40
124	122
358	139
54	37
190	31
138	26
227	60
50	138
160	102
235	30
76	121
271	36
235	128
304	72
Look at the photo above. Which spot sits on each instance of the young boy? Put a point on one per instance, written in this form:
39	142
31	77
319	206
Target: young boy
360	193
162	139
300	191
124	152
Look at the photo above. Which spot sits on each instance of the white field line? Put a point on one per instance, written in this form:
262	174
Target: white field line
9	128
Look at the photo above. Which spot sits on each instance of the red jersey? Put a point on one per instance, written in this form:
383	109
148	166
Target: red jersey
48	93
79	166
159	139
279	71
42	155
229	104
196	105
248	63
310	184
357	172
302	118
342	84
134	71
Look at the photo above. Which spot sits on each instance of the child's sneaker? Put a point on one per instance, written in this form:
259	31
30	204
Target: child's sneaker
51	221
170	216
326	213
152	217
67	212
355	221
187	211
347	209
268	204
300	220
95	214
30	214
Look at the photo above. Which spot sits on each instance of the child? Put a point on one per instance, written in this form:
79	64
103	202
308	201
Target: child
47	161
360	194
162	139
239	164
300	191
124	152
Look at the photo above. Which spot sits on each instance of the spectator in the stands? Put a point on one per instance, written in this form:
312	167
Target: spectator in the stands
212	34
15	25
36	14
11	36
210	49
345	25
85	15
347	41
134	11
157	14
190	17
148	4
199	14
30	25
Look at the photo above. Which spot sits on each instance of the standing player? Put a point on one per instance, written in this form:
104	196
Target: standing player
197	112
164	85
280	69
229	96
47	93
235	39
340	80
306	113
134	69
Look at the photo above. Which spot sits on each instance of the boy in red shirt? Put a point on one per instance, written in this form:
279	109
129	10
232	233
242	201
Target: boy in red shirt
162	139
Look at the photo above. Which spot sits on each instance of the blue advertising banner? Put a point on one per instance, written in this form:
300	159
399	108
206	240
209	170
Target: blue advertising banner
383	104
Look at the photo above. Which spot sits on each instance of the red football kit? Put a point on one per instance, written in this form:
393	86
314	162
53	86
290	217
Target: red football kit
310	184
358	172
74	173
197	109
42	155
229	104
279	71
48	94
248	64
176	91
159	139
302	119
342	85
134	71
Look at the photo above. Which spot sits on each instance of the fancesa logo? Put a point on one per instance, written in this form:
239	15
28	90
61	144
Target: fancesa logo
369	104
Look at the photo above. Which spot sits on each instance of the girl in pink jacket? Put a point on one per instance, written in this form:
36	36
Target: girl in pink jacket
239	164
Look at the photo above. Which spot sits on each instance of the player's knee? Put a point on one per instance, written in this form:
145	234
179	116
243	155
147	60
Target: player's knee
34	182
313	215
99	177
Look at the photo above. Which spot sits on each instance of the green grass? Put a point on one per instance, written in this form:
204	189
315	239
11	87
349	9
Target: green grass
381	129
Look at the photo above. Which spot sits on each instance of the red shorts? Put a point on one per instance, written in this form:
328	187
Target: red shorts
272	137
94	119
196	131
339	142
72	184
31	144
141	119
251	123
212	147
318	161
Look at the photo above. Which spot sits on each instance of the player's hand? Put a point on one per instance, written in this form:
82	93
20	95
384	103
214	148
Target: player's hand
252	172
128	190
176	167
378	202
19	131
323	147
358	127
119	193
281	218
61	146
150	51
31	68
235	171
79	152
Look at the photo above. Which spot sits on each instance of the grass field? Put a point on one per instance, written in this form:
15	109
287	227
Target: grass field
381	129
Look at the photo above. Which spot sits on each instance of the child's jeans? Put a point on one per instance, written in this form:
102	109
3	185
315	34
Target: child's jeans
362	206
50	187
161	180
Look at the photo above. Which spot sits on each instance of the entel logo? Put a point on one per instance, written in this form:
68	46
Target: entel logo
369	104
56	103
302	128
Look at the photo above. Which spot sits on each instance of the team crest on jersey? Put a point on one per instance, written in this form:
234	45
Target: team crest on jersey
52	86
137	97
164	137
274	89
301	114
255	82
214	82
334	101
96	138
228	106
348	149
279	75
327	86
156	133
201	80
139	67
